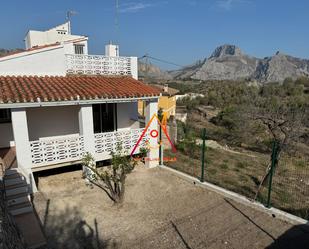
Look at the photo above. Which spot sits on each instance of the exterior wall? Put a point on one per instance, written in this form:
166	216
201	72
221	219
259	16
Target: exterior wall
127	115
153	154
60	33
49	61
85	118
134	67
46	122
69	47
111	50
141	108
168	104
189	95
6	135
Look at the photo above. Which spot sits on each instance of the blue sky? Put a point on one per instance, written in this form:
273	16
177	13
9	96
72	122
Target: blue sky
180	31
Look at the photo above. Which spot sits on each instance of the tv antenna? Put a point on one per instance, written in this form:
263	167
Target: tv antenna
116	18
70	13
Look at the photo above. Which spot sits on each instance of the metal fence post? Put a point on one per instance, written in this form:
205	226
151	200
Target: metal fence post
274	155
203	155
160	147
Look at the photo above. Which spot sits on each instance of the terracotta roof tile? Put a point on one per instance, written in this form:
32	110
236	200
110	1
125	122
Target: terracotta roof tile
14	89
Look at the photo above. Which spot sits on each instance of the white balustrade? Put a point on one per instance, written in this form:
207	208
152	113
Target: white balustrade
71	148
98	65
57	150
105	143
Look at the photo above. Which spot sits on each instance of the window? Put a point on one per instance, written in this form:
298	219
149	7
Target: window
104	117
5	116
79	49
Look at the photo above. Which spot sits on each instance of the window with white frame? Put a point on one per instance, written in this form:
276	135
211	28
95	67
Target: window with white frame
79	48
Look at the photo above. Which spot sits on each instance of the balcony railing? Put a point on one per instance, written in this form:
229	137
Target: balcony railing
105	143
98	65
71	148
57	150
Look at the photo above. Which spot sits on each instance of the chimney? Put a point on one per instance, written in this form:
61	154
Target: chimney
111	50
165	88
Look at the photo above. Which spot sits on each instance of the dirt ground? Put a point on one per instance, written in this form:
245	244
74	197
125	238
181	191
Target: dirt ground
161	210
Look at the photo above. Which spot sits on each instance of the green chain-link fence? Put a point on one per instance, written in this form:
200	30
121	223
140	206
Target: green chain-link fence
287	188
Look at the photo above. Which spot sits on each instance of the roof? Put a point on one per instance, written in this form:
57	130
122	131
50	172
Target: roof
171	91
31	89
31	49
35	48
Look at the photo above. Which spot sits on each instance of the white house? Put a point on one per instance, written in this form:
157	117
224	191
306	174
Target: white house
58	102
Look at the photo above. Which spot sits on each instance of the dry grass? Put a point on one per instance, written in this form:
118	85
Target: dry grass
243	172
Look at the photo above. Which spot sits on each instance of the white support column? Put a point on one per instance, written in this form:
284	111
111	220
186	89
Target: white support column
134	67
152	159
85	117
22	145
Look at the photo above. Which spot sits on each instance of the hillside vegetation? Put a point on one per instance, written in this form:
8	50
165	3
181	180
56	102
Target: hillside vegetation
245	119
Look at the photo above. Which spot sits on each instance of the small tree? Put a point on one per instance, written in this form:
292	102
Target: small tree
111	179
282	113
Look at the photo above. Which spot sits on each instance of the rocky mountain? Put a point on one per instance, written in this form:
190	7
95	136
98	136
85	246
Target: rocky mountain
152	72
228	62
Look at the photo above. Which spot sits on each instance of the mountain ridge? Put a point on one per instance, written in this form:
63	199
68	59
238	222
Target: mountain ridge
229	62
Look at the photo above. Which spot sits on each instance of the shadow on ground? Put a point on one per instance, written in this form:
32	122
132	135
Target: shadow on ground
67	229
295	238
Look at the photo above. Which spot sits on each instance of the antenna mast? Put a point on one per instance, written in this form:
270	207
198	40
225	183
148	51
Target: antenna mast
116	19
70	13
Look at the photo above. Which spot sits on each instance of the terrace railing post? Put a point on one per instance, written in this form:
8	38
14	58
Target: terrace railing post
274	156
203	155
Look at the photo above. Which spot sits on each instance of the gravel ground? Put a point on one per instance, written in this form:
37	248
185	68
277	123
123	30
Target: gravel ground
160	211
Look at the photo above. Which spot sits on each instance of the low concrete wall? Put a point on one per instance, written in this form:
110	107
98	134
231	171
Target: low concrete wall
274	212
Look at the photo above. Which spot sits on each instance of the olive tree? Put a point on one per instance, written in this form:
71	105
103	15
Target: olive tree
282	113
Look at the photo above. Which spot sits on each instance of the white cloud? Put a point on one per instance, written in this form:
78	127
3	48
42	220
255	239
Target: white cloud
229	4
133	7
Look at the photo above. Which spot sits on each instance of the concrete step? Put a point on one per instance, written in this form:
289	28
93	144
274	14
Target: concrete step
12	197
22	208
12	176
19	200
17	185
9	172
14	181
15	191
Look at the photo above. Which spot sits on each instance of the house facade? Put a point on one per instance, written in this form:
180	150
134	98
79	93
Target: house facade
57	102
167	100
